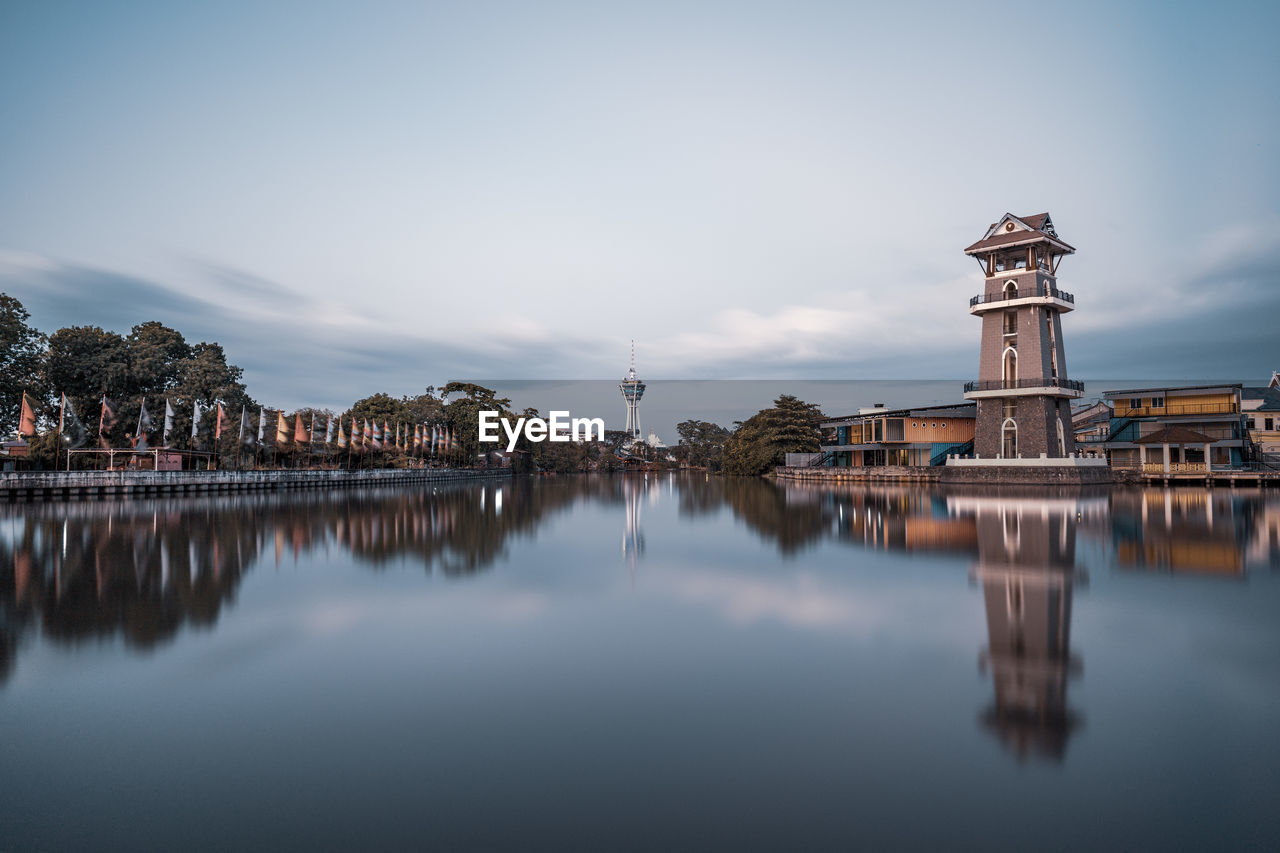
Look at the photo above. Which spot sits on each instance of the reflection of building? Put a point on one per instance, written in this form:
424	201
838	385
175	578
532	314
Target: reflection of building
1022	388
632	536
1186	531
1026	565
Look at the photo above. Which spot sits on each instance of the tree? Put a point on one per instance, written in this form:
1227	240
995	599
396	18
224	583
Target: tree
760	443
21	351
86	362
156	356
701	443
462	415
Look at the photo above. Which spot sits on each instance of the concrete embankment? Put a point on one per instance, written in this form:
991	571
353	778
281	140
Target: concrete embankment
38	485
947	474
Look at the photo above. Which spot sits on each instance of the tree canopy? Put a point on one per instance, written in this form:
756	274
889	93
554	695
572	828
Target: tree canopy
760	443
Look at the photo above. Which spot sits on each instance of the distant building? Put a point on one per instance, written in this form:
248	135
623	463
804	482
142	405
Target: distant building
1091	424
878	436
632	390
1261	407
654	442
1176	429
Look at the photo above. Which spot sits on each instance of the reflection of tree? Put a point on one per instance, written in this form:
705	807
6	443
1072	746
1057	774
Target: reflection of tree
144	569
767	508
84	571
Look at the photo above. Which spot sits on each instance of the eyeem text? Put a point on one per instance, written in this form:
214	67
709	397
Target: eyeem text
560	427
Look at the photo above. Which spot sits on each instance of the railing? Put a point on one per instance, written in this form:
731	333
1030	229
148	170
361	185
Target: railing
1023	293
1178	409
1176	468
1008	384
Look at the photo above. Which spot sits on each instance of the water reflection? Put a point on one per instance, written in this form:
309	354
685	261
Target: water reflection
1026	567
1023	547
141	570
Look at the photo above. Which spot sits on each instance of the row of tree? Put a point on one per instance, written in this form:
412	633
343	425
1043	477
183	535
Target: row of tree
155	364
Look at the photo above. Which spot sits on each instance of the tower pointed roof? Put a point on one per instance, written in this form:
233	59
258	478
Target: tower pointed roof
1012	230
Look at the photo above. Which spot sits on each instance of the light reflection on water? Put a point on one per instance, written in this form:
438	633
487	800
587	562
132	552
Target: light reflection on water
754	657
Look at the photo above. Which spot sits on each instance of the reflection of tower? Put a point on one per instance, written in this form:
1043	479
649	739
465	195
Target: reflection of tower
632	390
1026	565
1022	390
632	538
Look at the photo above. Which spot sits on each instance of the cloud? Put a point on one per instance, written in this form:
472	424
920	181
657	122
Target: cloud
296	350
1206	314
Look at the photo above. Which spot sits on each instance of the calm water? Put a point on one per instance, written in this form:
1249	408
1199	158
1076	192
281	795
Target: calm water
622	663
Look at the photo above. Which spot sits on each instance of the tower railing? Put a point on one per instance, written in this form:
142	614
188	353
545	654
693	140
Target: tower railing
1041	382
1022	293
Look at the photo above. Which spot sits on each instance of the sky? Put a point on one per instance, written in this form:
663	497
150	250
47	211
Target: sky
382	196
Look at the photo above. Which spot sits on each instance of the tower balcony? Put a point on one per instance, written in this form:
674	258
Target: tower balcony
1049	296
1042	386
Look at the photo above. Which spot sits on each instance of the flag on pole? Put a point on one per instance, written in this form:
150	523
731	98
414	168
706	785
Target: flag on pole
417	438
246	437
27	422
328	431
282	429
299	429
144	428
377	435
196	414
106	421
342	436
73	432
169	414
221	423
262	423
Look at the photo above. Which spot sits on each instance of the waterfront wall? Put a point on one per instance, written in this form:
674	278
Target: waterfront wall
28	485
978	475
871	474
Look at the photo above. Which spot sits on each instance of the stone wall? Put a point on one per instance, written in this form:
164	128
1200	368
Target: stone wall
53	484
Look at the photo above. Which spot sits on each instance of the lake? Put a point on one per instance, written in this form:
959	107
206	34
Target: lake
677	662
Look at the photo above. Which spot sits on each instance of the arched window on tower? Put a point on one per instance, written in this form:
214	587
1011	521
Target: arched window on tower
1009	439
1009	371
1011	289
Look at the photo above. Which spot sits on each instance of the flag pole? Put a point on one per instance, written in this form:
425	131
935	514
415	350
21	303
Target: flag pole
57	450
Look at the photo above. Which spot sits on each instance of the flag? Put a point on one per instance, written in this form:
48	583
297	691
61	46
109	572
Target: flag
342	436
435	438
195	421
328	431
262	423
221	424
299	429
377	436
169	414
73	432
246	437
106	421
282	429
27	422
144	427
417	438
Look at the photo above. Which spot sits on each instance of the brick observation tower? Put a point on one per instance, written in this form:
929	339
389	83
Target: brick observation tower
1023	393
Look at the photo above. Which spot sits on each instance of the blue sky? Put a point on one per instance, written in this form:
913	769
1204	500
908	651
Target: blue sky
380	196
